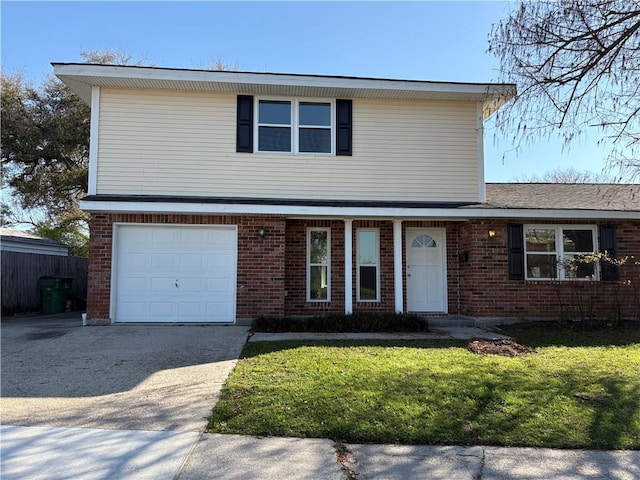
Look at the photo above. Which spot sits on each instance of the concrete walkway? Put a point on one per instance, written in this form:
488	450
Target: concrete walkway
131	403
439	333
55	453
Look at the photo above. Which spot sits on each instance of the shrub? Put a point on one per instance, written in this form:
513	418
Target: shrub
356	322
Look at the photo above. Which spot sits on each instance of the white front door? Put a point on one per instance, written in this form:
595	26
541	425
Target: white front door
170	273
426	279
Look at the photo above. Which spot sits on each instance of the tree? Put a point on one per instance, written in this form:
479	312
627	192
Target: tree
577	66
568	175
44	145
44	148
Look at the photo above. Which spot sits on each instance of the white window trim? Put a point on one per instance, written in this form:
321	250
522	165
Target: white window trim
559	251
294	125
328	265
377	264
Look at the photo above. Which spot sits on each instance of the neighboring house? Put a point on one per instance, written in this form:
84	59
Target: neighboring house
217	196
12	240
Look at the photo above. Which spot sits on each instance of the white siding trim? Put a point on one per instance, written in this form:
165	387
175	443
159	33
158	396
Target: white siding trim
93	140
397	266
341	212
482	189
348	266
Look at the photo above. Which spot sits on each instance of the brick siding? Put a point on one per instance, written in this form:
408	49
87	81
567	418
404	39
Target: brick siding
271	278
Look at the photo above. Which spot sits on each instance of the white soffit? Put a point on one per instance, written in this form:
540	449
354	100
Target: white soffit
352	212
81	77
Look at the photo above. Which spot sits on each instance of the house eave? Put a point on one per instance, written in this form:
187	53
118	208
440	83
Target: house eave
82	77
349	211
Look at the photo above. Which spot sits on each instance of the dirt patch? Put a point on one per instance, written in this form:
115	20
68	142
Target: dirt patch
506	348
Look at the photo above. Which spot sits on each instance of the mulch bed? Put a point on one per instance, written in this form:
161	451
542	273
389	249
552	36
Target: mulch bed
506	348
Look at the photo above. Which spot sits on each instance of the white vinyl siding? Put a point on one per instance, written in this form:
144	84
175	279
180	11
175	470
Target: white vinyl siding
156	142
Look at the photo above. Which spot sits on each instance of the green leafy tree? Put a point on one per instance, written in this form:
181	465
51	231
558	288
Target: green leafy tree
577	66
45	154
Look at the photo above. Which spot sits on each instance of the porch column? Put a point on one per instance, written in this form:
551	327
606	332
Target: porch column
397	265
348	266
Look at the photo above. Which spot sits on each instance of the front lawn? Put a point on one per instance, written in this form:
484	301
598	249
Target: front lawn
586	395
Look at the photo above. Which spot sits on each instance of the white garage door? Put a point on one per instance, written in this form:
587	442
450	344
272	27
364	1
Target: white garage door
175	273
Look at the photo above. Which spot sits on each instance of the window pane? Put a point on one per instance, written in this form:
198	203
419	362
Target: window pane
578	269
367	254
368	283
318	283
541	240
278	113
423	241
316	140
274	139
318	246
541	266
578	240
315	114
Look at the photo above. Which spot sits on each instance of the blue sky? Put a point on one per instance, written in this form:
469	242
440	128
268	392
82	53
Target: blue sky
413	40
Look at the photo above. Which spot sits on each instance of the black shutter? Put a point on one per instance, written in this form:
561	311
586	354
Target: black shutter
608	244
516	252
244	124
343	127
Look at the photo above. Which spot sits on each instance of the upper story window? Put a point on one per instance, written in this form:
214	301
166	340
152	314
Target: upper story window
295	126
551	251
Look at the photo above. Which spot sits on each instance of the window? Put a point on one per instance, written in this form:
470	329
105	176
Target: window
367	248
318	264
551	249
295	126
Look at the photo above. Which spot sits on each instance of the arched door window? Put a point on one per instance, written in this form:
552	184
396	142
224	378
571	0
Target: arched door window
423	241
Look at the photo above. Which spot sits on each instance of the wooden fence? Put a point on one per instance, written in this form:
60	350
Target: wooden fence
21	272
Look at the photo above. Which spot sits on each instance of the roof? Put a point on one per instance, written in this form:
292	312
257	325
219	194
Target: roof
563	196
504	200
81	77
21	241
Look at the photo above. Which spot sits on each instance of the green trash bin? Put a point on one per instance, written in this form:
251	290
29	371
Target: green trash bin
54	292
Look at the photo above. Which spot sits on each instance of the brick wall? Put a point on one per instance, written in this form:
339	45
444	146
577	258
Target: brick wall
486	291
272	270
260	280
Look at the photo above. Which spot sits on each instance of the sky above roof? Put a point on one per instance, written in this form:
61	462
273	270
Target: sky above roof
439	41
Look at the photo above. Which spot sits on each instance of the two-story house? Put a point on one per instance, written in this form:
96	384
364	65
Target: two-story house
217	196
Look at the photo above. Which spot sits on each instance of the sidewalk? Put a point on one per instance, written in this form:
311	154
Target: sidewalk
70	453
435	333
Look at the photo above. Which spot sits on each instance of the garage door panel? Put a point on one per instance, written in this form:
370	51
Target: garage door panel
191	286
162	261
161	310
217	260
175	274
217	310
134	284
135	309
163	285
136	259
190	261
219	285
161	236
190	309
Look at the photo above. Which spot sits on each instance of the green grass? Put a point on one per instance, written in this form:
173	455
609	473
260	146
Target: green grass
585	395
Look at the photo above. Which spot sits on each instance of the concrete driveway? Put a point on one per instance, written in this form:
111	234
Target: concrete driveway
55	372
